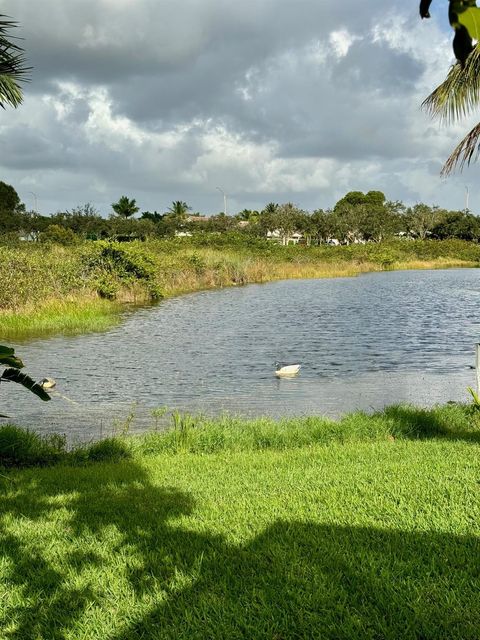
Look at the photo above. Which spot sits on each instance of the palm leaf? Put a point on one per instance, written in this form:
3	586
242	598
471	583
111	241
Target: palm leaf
13	70
464	152
10	92
14	375
454	99
459	94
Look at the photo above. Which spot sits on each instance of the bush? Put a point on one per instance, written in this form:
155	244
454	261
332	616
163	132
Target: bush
114	264
56	234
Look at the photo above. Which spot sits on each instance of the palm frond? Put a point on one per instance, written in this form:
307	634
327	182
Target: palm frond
10	92
459	94
464	152
13	69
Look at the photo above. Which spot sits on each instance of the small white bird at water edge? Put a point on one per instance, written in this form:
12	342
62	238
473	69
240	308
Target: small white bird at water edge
286	371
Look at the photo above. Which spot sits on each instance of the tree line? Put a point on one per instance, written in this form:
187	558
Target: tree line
356	217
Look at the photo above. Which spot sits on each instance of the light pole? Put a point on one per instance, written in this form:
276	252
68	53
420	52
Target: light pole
35	201
466	198
224	200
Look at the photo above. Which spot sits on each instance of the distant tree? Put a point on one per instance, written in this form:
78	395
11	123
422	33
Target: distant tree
305	224
125	208
219	223
87	210
374	198
179	209
322	224
422	219
33	224
375	223
350	199
270	208
9	198
358	216
457	224
286	219
12	66
347	221
248	215
84	220
267	219
154	217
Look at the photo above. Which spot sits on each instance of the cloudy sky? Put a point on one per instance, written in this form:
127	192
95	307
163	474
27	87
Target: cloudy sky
270	100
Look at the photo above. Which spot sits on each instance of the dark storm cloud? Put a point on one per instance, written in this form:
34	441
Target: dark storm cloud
168	98
102	41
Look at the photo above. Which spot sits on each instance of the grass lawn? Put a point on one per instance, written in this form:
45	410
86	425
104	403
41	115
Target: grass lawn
376	537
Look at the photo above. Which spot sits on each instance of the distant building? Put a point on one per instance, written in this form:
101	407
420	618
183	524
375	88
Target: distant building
277	236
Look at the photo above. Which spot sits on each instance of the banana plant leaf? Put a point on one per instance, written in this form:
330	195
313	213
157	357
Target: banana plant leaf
9	359
14	375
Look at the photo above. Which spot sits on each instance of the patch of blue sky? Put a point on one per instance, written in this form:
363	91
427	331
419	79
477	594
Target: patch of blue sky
439	11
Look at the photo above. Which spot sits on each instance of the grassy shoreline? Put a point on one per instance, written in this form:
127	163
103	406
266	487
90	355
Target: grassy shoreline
89	287
363	528
198	434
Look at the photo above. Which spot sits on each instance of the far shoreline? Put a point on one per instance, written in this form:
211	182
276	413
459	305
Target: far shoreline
193	269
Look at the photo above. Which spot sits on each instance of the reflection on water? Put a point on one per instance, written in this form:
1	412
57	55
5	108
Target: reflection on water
363	342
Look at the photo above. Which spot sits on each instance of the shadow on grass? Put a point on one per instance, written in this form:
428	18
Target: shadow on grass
451	422
123	555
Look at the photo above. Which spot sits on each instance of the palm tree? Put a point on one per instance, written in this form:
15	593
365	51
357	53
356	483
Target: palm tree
179	209
125	208
459	94
12	66
270	208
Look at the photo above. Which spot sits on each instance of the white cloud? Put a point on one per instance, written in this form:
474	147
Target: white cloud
166	99
341	41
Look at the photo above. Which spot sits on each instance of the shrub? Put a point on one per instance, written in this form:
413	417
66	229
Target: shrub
56	234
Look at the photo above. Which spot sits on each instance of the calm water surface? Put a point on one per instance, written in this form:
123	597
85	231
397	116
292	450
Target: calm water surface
363	343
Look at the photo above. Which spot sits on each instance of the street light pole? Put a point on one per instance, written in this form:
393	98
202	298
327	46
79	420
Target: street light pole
35	201
224	200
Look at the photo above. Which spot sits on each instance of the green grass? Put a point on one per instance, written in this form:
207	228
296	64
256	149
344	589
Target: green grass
60	317
365	528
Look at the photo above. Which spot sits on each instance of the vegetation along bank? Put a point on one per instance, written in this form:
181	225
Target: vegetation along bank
74	271
49	288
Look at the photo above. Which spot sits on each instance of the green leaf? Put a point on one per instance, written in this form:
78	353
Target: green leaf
12	361
6	351
8	358
14	375
470	18
474	394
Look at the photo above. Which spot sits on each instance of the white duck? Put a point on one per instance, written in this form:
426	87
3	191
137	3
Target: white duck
287	371
48	383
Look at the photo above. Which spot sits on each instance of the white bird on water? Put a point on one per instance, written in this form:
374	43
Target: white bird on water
286	371
48	383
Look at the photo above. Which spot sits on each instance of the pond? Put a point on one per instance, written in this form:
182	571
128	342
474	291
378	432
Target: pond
363	343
